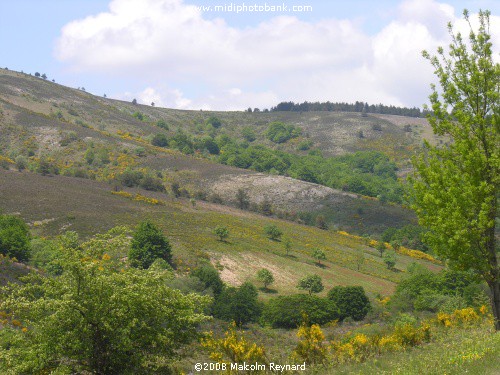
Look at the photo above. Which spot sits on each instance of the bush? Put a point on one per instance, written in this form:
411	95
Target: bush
351	301
14	237
148	244
21	163
159	140
248	134
221	232
152	183
130	178
162	124
273	232
243	199
265	207
305	145
278	132
287	311
97	318
210	277
214	121
238	304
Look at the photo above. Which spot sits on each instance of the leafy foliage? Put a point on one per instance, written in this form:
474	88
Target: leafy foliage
14	237
287	311
456	187
278	132
390	259
210	277
159	140
221	232
98	317
351	301
424	290
310	349
148	244
238	304
265	277
273	232
319	255
311	283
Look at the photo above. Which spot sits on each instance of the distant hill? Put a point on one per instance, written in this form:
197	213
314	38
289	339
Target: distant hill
48	120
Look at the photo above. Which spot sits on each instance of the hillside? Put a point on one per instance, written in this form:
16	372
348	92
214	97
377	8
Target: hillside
42	118
53	204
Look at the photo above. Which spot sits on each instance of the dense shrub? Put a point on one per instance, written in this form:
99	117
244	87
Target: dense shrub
287	311
159	140
210	277
238	304
278	132
214	121
148	244
130	177
351	301
151	183
422	289
14	237
273	232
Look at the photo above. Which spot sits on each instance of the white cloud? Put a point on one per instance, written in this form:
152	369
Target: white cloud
283	58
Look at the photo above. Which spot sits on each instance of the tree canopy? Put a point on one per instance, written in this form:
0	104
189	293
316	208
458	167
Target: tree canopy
98	317
456	187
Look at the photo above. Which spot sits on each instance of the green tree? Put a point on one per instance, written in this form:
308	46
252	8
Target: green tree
210	277
456	187
381	248
390	259
222	232
273	232
265	277
148	244
287	311
360	258
98	317
287	244
14	237
238	304
319	255
311	283
351	300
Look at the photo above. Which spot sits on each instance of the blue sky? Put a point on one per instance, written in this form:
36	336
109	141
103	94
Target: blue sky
180	57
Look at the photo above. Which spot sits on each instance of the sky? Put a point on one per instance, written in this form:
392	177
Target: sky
182	54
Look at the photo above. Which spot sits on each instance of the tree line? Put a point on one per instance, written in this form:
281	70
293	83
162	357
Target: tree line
349	107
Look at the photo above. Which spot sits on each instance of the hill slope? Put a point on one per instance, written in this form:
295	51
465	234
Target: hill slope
54	204
44	118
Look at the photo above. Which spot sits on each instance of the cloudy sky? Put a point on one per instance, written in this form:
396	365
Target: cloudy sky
181	54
